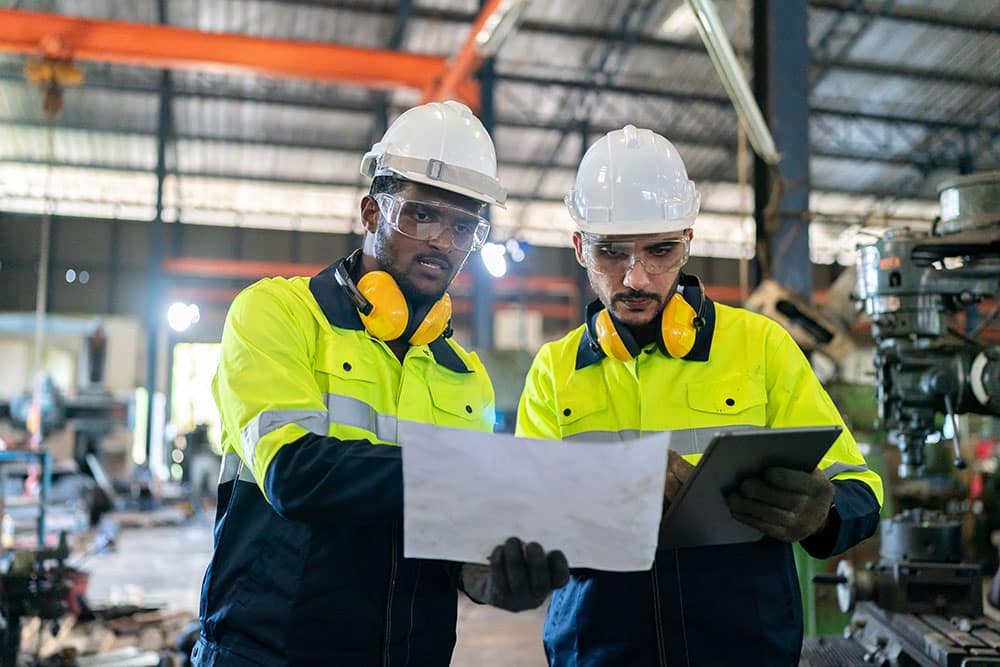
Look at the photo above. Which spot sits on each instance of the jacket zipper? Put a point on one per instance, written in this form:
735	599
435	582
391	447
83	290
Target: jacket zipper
388	604
658	616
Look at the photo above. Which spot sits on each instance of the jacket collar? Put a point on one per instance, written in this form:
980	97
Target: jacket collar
589	351
341	312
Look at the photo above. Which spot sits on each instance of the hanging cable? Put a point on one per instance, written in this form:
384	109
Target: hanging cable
41	293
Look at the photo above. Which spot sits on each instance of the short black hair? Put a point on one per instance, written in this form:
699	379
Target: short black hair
387	184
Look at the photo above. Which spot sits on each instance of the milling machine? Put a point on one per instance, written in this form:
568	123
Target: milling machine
921	604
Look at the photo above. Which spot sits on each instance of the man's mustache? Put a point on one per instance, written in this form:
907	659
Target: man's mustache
435	257
635	294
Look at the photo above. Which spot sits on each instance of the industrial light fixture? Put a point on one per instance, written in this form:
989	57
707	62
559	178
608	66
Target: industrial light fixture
514	250
498	26
713	33
494	260
180	315
73	275
679	23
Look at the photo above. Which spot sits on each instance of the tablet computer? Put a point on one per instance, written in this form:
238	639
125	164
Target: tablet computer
699	516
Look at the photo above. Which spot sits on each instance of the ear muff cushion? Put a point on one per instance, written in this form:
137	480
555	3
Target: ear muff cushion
609	338
677	327
434	322
390	313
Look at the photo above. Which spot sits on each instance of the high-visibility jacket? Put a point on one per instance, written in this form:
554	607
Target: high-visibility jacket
308	566
728	605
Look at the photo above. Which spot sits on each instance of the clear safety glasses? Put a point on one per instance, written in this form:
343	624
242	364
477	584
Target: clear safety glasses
615	258
427	220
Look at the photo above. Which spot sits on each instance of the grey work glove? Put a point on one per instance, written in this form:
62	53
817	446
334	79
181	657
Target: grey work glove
519	577
788	505
678	471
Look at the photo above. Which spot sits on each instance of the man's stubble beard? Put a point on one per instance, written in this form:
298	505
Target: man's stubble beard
386	257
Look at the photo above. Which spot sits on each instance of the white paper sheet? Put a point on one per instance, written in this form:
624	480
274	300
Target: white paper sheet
466	492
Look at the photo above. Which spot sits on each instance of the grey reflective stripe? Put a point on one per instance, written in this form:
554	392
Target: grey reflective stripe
350	411
839	467
340	410
695	440
267	421
604	436
233	468
683	441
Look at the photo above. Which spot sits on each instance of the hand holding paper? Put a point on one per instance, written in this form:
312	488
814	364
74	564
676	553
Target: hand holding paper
678	471
519	576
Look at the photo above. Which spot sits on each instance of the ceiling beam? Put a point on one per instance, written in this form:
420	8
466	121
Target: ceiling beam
541	29
168	47
722	102
681	138
901	13
12	74
515	196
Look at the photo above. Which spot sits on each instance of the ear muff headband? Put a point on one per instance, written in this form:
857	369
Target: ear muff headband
385	312
679	326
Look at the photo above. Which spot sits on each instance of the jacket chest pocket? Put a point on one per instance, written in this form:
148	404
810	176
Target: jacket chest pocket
338	365
461	405
582	415
735	400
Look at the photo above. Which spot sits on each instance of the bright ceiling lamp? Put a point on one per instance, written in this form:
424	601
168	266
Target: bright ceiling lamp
494	259
180	315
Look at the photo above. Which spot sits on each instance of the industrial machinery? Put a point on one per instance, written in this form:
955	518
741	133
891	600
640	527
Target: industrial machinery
911	284
92	413
921	604
33	582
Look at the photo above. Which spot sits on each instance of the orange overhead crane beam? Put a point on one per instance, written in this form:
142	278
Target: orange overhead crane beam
237	268
166	47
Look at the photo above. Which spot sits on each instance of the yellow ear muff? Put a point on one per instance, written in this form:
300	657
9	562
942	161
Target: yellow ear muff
434	323
390	314
608	337
677	327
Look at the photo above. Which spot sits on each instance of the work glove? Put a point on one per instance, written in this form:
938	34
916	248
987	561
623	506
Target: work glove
678	471
519	577
788	505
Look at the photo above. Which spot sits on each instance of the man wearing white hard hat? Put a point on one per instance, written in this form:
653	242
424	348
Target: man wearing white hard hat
656	353
314	374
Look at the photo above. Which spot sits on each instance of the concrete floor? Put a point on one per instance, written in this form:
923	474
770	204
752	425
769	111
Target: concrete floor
166	564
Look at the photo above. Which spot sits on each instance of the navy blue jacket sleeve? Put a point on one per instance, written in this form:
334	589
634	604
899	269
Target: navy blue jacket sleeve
318	479
853	518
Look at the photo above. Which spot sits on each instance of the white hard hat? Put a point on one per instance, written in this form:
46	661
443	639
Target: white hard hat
441	144
632	181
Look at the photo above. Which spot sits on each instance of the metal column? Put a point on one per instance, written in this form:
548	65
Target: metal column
482	282
781	85
154	308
